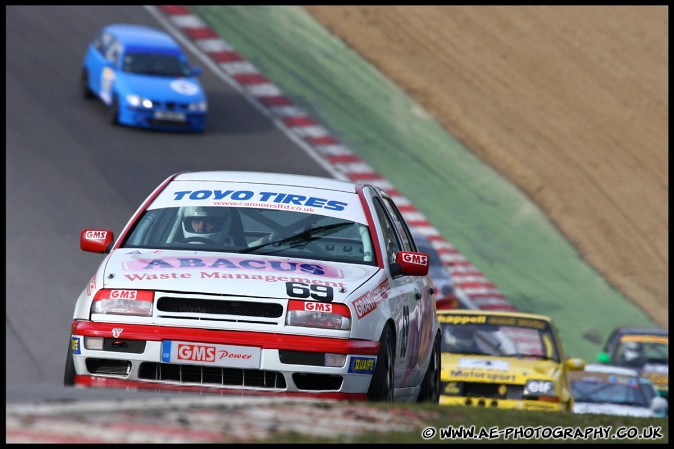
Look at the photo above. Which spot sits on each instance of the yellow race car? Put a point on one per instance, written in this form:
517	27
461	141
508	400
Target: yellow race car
507	360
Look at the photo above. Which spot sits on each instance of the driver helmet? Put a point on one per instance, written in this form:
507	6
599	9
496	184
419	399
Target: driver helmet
464	336
208	222
631	351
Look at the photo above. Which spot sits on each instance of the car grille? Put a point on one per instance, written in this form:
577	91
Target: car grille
221	309
212	376
239	308
171	105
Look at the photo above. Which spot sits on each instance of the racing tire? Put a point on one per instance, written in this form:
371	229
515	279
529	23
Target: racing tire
84	85
115	110
430	386
69	373
382	383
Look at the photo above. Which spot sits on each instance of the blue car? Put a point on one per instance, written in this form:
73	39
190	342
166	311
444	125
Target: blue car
145	79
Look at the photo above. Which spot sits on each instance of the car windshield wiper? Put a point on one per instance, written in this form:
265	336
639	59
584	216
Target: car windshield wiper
306	235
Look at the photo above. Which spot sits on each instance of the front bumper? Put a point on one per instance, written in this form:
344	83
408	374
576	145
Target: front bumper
513	404
132	357
146	118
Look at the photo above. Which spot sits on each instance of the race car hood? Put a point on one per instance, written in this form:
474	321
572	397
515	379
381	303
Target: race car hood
487	369
612	409
179	90
235	274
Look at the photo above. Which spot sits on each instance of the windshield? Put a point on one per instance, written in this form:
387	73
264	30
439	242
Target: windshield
501	336
155	65
637	351
611	390
277	232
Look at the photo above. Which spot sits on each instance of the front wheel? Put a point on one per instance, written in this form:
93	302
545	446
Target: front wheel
115	110
69	373
381	385
430	387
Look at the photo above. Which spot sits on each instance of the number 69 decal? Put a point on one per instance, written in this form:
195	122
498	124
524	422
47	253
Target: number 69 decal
322	293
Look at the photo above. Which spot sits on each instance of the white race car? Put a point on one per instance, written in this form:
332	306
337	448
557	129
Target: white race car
616	390
259	283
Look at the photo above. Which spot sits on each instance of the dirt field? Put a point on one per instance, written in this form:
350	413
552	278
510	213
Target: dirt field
568	102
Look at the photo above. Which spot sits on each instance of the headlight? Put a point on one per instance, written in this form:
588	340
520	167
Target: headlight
138	101
123	302
324	315
198	106
539	388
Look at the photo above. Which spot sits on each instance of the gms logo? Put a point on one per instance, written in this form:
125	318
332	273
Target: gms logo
417	259
197	353
95	235
362	365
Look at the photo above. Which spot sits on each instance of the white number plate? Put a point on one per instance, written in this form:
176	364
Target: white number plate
169	115
210	354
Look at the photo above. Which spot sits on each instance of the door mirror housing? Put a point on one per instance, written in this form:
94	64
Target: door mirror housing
96	240
410	263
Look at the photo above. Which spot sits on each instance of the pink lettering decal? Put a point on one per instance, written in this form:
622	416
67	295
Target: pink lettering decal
176	263
92	285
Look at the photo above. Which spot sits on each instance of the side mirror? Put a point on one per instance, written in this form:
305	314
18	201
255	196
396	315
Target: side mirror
96	240
660	406
410	263
447	303
575	364
604	357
